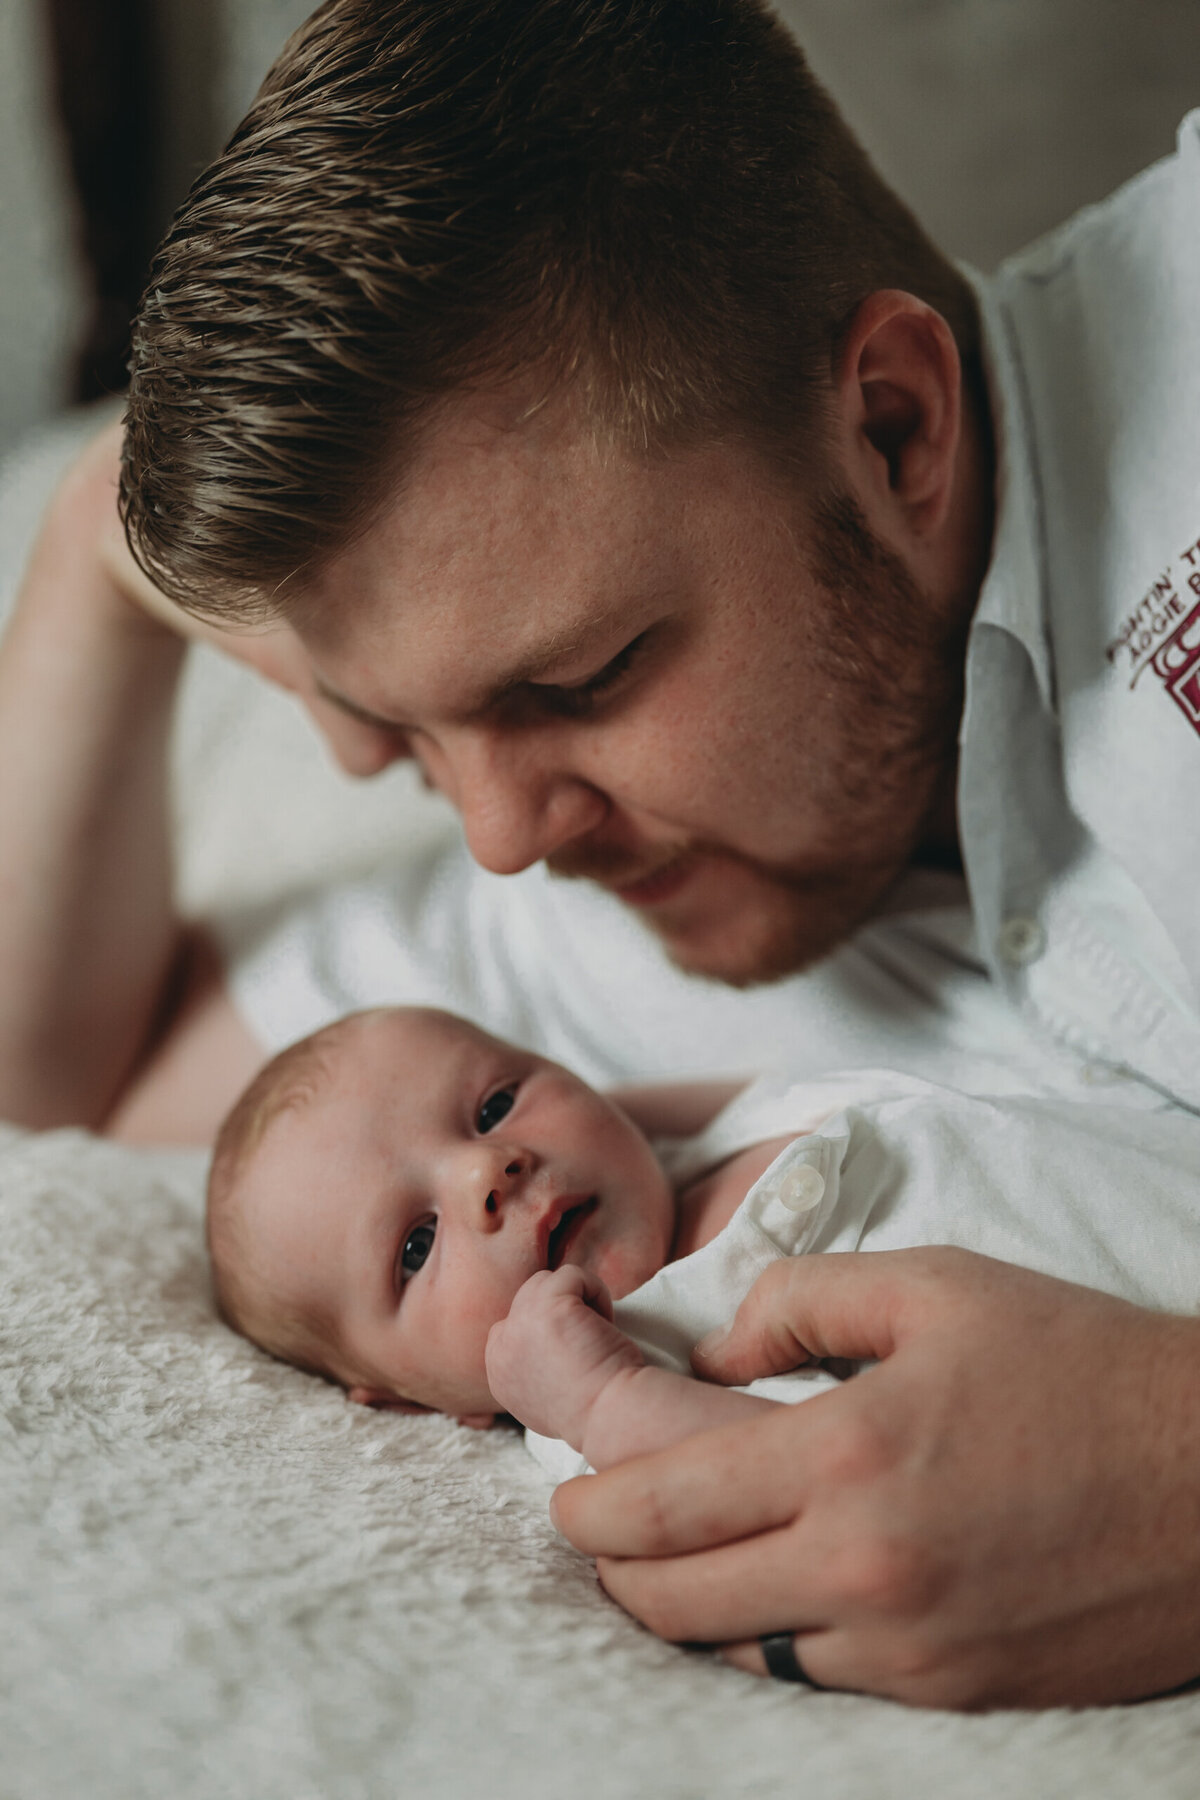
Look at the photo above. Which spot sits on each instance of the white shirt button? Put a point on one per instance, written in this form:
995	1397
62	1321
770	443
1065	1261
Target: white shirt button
1020	941
800	1188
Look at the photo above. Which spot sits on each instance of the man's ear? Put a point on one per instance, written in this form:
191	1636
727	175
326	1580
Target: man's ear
899	391
382	1401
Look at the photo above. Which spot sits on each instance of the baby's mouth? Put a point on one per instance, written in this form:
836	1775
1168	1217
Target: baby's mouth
565	1232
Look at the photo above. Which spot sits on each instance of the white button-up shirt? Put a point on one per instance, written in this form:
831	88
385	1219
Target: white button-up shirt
1080	772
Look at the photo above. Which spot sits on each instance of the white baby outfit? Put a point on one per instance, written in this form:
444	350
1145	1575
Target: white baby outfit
888	1163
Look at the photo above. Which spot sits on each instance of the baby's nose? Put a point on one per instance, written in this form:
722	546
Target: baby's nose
502	1182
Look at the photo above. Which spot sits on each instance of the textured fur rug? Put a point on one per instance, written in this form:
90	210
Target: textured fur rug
220	1581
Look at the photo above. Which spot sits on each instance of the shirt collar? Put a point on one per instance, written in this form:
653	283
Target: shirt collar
1013	595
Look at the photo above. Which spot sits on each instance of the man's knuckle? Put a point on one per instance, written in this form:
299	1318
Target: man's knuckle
647	1524
890	1577
918	1664
940	1263
926	1674
641	1590
856	1453
660	1613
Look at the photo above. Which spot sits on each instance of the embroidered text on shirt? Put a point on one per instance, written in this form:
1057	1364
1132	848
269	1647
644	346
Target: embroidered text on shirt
1162	632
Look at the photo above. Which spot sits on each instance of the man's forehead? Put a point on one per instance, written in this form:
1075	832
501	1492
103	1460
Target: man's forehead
406	625
477	484
504	553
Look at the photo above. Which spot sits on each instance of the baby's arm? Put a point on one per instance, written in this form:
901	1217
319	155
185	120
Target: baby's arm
560	1366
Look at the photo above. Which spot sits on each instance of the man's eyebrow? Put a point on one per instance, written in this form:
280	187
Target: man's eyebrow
362	713
567	642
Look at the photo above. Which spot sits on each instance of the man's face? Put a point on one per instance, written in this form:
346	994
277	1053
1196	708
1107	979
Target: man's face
675	677
415	1191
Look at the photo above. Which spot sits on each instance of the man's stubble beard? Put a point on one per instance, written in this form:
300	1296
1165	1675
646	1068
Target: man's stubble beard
898	660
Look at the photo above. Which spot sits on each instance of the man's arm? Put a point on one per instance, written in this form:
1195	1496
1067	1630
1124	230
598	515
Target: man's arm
88	937
195	1067
112	1017
1004	1512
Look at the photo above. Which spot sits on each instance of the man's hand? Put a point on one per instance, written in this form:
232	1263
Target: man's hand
1004	1512
555	1353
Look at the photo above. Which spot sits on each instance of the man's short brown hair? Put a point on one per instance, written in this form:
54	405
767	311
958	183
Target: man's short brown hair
650	200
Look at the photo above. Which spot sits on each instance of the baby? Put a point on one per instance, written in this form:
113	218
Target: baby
436	1219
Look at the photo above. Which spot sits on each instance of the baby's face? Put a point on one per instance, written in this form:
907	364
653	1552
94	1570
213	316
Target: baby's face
411	1197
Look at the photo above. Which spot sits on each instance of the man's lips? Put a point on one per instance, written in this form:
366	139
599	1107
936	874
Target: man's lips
632	878
658	886
561	1227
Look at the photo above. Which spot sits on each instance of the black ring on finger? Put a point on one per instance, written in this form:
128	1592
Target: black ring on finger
779	1654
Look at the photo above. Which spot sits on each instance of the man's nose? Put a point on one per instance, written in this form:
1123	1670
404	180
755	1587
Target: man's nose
518	804
359	749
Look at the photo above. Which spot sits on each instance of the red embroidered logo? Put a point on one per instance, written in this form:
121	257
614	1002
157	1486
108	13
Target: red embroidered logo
1162	633
1177	665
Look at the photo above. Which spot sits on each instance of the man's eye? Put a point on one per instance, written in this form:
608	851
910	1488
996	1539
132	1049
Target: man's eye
577	702
417	1246
497	1106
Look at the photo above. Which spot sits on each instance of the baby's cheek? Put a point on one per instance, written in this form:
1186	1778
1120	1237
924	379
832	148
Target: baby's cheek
474	1324
624	1267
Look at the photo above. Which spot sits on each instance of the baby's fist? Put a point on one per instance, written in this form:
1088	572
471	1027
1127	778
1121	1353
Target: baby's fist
549	1360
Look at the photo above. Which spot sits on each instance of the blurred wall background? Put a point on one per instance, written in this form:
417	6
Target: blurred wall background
994	119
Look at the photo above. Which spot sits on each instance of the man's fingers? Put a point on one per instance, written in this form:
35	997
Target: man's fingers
718	1485
719	1596
811	1651
843	1305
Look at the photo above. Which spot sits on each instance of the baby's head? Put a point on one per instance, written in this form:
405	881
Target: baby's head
382	1189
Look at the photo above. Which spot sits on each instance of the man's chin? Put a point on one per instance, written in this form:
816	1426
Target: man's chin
731	959
753	929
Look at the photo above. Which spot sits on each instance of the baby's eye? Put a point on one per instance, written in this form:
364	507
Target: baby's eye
417	1246
497	1106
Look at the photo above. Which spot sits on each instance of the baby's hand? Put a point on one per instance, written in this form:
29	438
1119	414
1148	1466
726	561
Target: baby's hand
550	1359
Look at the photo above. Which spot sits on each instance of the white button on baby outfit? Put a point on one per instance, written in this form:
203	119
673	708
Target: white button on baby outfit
799	1188
1020	941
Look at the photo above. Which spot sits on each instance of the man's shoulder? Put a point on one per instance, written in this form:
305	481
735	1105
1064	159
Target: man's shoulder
1098	340
1075	786
1161	199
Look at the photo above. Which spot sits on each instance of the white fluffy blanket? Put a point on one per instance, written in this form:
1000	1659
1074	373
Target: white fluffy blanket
218	1579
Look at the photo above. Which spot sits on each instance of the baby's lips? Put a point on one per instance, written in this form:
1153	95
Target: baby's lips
566	1219
546	1224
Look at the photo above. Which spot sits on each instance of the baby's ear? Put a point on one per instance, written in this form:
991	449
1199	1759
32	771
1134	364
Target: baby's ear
477	1421
382	1401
